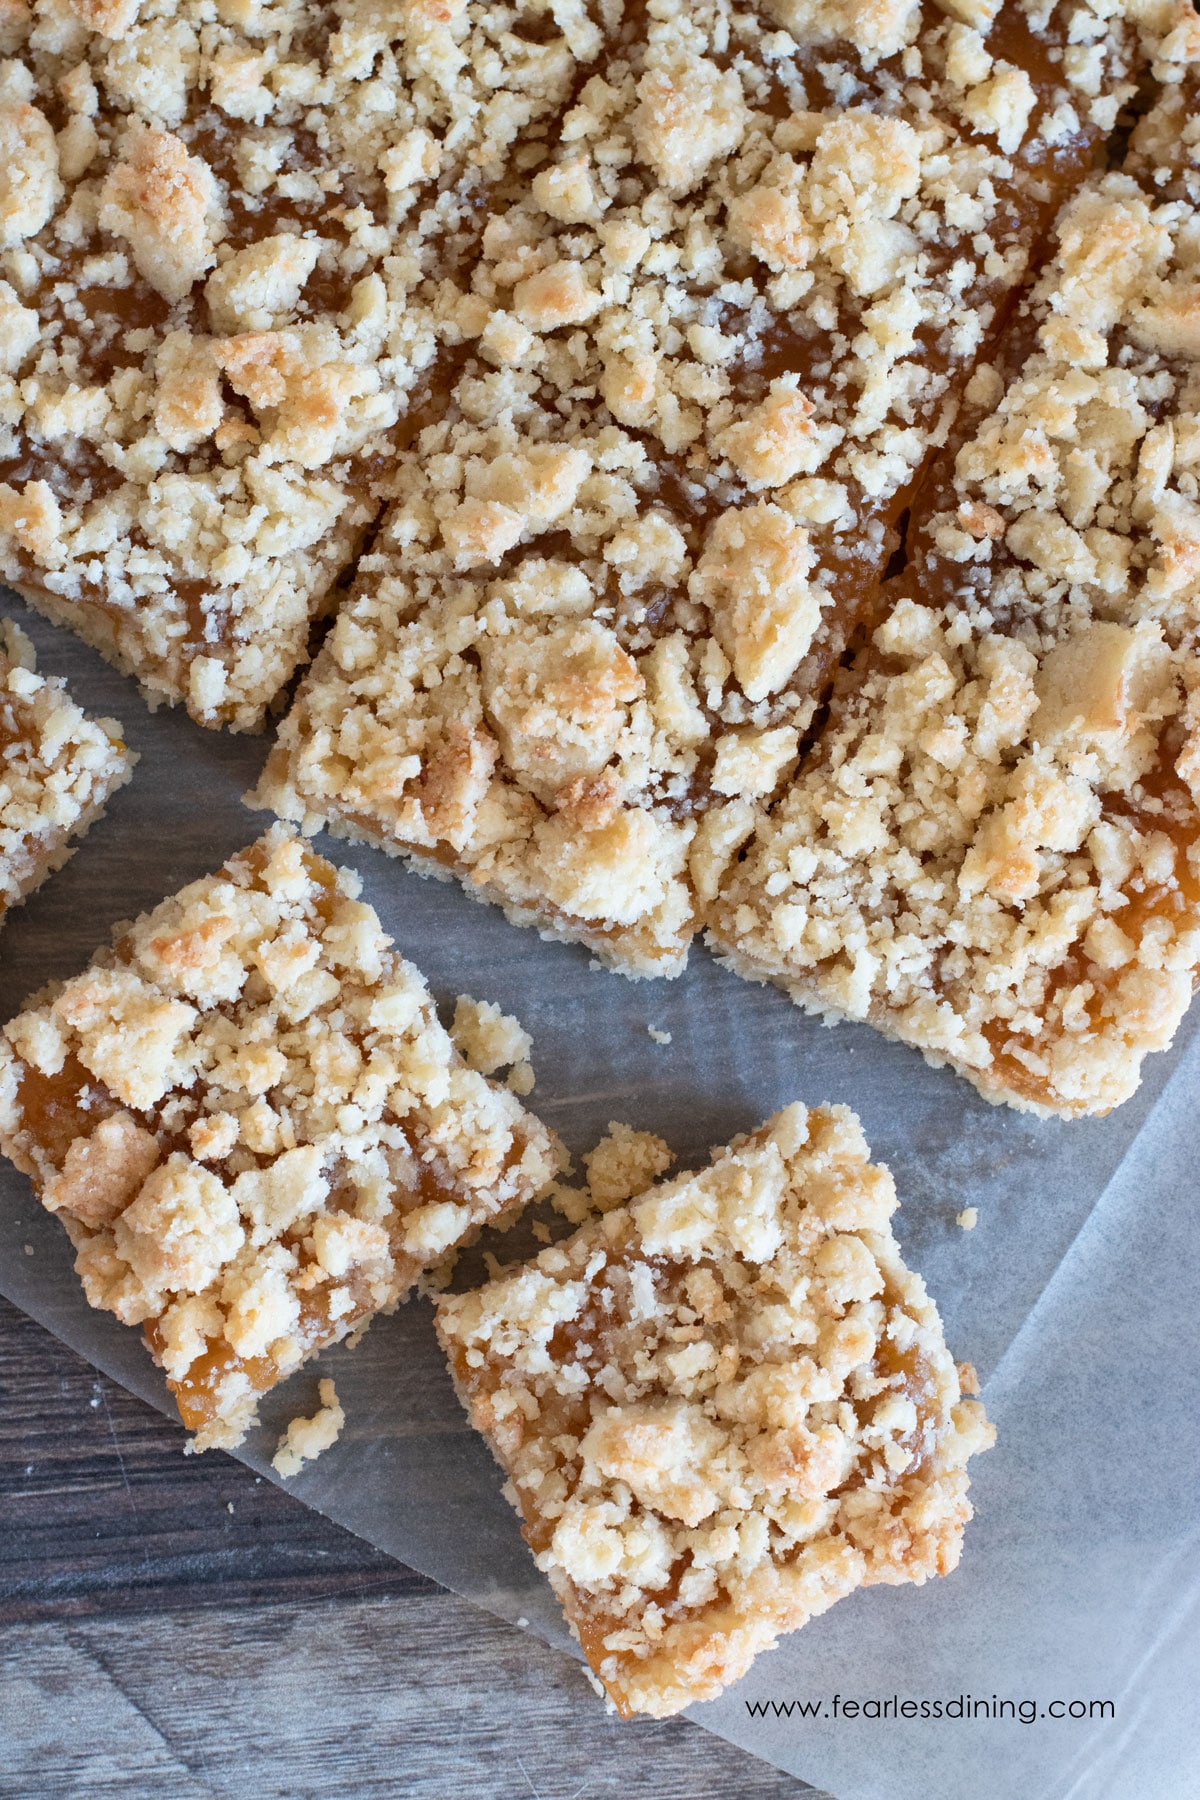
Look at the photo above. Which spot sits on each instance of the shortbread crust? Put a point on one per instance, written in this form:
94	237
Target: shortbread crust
253	1127
59	769
715	341
722	1407
994	853
224	241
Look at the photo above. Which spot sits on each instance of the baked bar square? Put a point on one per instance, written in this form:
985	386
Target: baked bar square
712	341
253	1127
722	1407
59	769
994	853
993	858
225	242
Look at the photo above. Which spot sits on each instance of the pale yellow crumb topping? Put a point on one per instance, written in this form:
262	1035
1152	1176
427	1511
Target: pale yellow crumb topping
223	234
722	1407
994	853
254	1127
706	350
59	768
623	1163
306	1439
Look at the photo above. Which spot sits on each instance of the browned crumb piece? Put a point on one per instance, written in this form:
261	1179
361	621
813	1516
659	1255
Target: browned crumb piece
713	340
623	1163
225	243
490	1040
1164	150
306	1439
620	1165
722	1407
995	853
254	1128
59	769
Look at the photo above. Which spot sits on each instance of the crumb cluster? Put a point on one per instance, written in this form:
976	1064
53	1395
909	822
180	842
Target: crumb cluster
306	1439
226	239
722	1407
993	853
709	348
253	1127
59	769
792	291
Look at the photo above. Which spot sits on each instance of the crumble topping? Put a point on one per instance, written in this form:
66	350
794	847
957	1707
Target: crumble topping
489	1040
993	854
721	1407
233	233
59	769
306	1439
254	1128
623	1163
706	351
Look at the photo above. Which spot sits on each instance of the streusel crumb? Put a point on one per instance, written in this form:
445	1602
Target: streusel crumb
226	238
253	1127
994	853
59	769
709	346
623	1163
721	1408
306	1439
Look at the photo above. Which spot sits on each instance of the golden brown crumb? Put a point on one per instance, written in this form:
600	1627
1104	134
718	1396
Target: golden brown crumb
623	1163
721	1407
248	194
697	386
263	1135
59	769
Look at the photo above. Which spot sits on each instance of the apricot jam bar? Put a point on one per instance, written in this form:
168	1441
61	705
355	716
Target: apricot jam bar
721	1408
712	340
58	769
225	234
995	852
253	1127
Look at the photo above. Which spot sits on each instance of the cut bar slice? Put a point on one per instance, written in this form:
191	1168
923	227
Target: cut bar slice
722	1408
716	334
993	857
254	1128
995	853
59	768
222	285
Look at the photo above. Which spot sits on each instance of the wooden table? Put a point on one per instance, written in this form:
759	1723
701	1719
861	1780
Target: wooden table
183	1629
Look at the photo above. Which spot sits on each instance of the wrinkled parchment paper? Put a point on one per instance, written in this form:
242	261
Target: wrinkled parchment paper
1075	1297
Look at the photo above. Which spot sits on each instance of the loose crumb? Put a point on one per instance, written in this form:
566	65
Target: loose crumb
306	1439
660	1037
486	1038
968	1218
623	1163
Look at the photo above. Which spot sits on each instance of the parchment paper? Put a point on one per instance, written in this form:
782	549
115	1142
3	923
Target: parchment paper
1075	1297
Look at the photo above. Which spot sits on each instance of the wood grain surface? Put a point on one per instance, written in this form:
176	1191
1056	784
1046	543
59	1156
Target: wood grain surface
178	1627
